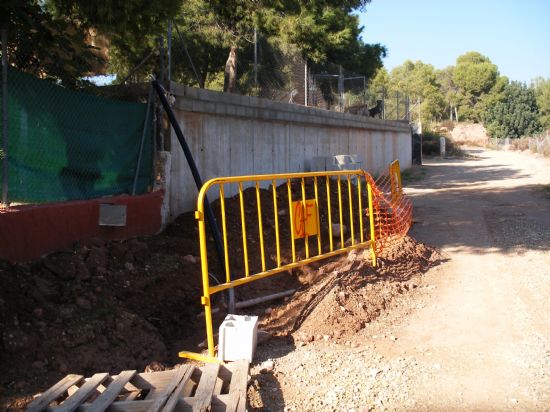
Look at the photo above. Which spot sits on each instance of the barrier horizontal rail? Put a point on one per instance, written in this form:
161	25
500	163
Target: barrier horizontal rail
284	221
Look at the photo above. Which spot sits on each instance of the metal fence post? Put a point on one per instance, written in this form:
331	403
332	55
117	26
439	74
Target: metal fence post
169	52
5	117
143	134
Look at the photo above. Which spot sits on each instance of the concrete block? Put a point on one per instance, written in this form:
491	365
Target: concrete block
238	338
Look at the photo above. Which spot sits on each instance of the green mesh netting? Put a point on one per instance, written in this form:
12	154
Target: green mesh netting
66	145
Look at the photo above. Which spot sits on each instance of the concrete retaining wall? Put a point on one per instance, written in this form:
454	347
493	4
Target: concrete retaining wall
233	135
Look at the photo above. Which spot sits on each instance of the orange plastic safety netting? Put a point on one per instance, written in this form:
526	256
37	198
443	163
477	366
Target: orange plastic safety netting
392	209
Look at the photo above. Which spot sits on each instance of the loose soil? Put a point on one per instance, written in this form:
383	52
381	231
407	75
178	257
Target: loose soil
126	305
461	327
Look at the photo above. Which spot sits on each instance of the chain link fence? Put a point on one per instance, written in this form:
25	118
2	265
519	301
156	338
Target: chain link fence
535	144
60	139
265	68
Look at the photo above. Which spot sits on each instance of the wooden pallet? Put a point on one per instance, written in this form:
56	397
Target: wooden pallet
212	387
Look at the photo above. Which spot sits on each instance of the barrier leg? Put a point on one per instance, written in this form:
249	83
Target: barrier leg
371	224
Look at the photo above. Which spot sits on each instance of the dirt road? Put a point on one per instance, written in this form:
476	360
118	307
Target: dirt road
476	334
487	326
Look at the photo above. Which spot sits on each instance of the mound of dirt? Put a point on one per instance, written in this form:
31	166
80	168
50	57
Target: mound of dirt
106	307
102	307
470	133
342	296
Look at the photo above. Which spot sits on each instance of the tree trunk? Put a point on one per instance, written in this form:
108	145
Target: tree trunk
230	75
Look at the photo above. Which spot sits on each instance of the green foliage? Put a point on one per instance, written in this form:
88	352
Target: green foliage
542	93
44	45
517	115
474	76
419	81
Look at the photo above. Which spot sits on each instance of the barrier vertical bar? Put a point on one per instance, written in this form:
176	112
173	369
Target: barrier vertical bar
341	213
260	225
371	224
351	211
362	237
319	248
306	237
276	215
205	299
291	215
224	234
243	231
329	215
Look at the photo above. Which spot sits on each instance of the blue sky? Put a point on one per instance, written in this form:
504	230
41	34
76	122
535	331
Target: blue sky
515	35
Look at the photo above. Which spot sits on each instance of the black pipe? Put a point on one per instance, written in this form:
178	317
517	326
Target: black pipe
198	181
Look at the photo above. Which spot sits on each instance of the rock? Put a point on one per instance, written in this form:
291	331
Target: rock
267	366
374	371
190	259
97	258
140	250
393	338
38	313
38	364
83	303
326	337
63	367
130	267
118	250
61	266
82	272
155	367
337	230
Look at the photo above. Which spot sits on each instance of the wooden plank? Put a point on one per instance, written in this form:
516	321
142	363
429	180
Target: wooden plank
83	393
205	390
177	394
121	406
218	386
137	406
112	391
54	392
237	386
188	388
148	380
178	375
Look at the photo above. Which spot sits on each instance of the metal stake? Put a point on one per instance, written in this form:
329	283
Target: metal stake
145	127
5	116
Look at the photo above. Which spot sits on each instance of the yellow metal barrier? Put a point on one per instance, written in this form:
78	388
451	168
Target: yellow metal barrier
395	180
309	215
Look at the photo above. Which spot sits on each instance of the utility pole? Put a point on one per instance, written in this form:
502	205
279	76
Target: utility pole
256	60
341	88
306	88
397	105
169	52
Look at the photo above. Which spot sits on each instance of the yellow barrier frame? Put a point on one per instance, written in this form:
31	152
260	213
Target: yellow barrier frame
395	181
255	180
